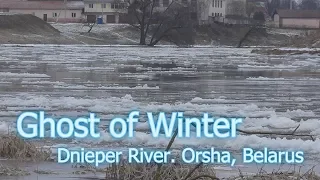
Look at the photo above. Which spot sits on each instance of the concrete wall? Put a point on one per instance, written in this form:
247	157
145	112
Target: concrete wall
232	21
229	7
276	20
300	23
100	10
63	16
310	23
105	15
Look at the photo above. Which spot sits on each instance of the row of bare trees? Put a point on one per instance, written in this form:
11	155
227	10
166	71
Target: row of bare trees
287	4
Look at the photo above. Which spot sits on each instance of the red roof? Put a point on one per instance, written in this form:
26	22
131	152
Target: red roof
45	5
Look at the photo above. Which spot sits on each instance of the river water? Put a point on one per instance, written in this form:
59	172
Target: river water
272	92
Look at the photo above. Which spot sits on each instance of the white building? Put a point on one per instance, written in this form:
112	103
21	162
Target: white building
217	8
221	9
297	19
51	11
109	10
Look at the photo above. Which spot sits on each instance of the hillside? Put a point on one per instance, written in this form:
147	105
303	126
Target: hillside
216	34
28	29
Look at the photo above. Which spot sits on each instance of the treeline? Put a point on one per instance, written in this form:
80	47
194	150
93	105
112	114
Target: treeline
294	4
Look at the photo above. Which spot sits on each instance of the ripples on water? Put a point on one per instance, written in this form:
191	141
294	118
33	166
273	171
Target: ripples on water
272	92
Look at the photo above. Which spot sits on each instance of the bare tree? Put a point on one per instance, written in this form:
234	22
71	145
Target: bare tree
272	6
203	9
285	4
309	4
236	8
250	9
280	4
174	25
170	21
90	25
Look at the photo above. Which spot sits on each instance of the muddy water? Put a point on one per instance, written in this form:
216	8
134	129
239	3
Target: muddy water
72	80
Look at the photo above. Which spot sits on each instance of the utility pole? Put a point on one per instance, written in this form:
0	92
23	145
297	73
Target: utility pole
102	6
65	10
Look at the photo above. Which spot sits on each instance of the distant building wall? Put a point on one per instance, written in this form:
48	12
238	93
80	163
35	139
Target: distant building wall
300	23
102	8
53	15
303	19
217	8
235	21
276	20
109	11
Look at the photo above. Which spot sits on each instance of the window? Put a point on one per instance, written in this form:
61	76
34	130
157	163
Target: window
221	3
117	6
213	3
103	6
165	3
212	14
90	5
54	15
74	15
218	3
221	14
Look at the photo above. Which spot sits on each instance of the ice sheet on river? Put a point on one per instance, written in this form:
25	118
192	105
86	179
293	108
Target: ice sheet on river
271	92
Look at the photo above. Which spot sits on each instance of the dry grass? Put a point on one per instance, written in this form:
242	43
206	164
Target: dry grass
14	147
12	171
125	171
44	172
279	176
86	168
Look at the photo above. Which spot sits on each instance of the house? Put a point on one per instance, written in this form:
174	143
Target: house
301	19
110	11
225	11
50	11
218	8
223	8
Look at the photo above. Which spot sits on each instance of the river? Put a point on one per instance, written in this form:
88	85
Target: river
272	92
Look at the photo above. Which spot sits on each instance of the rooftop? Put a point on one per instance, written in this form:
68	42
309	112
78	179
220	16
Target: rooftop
291	13
98	1
46	5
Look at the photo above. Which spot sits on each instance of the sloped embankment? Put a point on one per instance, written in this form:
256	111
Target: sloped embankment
28	29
